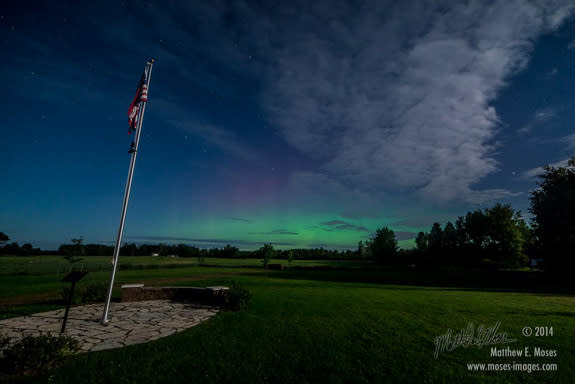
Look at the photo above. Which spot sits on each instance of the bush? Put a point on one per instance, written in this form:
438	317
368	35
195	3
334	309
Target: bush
33	354
236	298
95	293
4	342
92	293
267	252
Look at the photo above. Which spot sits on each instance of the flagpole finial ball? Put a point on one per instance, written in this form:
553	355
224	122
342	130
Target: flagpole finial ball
151	60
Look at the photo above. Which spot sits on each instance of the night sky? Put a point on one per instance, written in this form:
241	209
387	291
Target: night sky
300	123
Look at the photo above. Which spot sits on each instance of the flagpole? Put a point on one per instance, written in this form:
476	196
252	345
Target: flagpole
127	195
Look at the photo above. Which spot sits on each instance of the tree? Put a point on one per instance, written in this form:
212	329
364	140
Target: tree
476	226
476	229
384	246
230	252
505	240
128	249
202	256
184	250
449	239
449	243
28	250
98	249
267	252
360	249
290	256
529	246
553	209
435	239
11	249
3	239
422	242
73	252
422	248
461	235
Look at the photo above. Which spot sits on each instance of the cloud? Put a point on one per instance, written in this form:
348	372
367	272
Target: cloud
570	141
339	225
370	93
534	172
552	73
238	219
423	221
333	222
545	114
571	45
274	232
226	140
541	117
365	90
384	95
324	193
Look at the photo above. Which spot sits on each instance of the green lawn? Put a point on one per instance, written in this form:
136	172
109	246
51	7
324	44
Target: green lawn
10	265
45	289
298	331
325	326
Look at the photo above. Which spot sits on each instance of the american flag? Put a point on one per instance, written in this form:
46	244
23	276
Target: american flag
141	95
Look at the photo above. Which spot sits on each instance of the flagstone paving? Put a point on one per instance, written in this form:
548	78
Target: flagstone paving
130	323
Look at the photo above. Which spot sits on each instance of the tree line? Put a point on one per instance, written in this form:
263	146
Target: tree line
77	248
185	250
496	237
14	248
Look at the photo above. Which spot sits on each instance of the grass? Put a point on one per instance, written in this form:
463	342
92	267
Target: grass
37	279
298	331
33	265
328	326
44	289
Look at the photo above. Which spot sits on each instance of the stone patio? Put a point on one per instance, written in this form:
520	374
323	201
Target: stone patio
129	323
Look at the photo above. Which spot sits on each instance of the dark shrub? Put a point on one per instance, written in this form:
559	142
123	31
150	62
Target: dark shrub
236	298
33	354
4	341
95	293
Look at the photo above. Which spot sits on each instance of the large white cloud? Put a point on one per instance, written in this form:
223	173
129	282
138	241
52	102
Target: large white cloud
533	173
385	95
400	95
